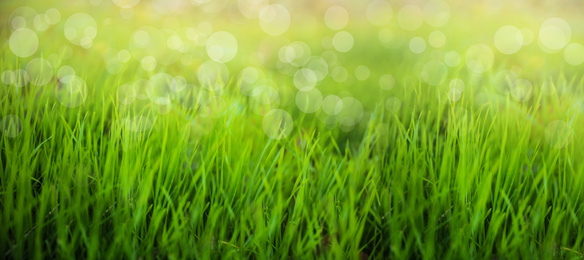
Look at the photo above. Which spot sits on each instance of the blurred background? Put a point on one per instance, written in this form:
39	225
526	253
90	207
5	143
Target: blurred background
337	60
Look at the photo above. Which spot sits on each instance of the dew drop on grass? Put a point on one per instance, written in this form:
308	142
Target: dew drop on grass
11	126
277	124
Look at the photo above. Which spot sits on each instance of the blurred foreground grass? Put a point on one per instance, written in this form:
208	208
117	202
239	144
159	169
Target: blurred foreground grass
176	129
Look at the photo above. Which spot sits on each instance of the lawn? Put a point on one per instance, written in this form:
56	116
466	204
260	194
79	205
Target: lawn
176	129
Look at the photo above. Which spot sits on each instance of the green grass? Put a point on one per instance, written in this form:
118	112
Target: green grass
483	177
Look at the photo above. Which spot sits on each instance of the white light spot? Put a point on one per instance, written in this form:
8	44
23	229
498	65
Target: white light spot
452	59
53	16
148	63
65	72
454	94
343	41
23	42
457	84
522	90
80	29
277	124
508	39
479	58
332	105
159	88
309	101
362	72
221	46
574	54
417	45
437	39
554	34
40	71
305	79
410	17
436	13
274	19
336	17
8	77
213	75
387	82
